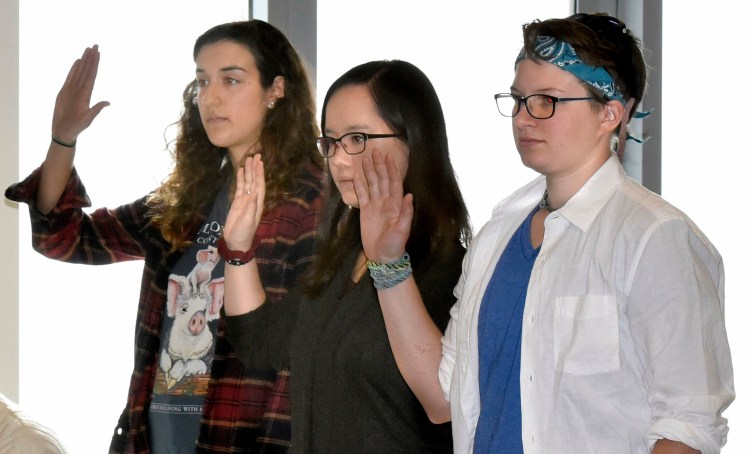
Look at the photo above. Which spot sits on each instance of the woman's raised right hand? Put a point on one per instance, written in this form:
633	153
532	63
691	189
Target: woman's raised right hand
72	113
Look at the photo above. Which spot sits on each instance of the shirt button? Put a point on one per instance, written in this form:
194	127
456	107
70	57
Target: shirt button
531	378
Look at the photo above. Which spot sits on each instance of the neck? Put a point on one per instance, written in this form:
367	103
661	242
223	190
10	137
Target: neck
544	204
560	188
238	154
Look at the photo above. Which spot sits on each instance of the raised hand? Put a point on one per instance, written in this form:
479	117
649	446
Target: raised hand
72	113
385	212
247	206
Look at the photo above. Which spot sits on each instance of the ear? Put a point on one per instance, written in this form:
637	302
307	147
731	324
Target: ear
612	113
277	90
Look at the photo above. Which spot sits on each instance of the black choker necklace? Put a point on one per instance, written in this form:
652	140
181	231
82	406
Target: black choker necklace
544	204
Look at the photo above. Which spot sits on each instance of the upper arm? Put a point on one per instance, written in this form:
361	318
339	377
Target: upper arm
675	313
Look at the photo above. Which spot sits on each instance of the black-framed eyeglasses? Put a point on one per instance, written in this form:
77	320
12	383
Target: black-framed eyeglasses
352	142
538	106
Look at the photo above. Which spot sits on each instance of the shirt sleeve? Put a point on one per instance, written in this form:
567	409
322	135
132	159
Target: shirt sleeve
676	315
69	234
261	337
288	235
450	337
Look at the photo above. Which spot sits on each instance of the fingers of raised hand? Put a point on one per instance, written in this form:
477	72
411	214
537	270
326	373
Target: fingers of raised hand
370	173
72	112
382	171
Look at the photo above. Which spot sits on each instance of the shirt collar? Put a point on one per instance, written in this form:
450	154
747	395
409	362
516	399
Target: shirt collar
585	205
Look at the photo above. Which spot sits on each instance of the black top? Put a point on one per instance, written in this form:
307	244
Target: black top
347	392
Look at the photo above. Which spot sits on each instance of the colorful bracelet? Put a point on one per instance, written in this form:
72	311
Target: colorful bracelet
64	144
237	258
387	275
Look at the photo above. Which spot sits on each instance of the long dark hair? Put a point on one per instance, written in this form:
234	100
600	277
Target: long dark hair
287	139
408	103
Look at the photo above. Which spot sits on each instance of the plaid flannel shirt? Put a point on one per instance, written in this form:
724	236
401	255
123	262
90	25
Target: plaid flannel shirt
244	410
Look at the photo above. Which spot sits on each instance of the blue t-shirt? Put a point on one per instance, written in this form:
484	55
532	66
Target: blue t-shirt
499	334
195	294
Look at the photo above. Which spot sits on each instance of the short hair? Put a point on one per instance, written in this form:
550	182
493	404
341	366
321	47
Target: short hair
600	41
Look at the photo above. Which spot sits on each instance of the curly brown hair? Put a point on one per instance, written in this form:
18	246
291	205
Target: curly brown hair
287	140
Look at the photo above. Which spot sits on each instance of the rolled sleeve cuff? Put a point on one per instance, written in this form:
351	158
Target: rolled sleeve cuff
688	434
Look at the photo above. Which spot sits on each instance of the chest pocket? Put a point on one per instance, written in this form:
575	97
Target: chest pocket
586	334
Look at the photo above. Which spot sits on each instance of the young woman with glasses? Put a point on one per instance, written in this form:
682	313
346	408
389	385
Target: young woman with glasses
250	94
383	133
590	312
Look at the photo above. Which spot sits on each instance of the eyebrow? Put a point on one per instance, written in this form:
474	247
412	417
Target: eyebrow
354	128
542	91
223	70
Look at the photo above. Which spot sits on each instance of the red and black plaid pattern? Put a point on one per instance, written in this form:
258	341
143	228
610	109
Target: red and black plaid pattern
245	411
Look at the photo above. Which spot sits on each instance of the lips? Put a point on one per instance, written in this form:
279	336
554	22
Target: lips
215	119
528	141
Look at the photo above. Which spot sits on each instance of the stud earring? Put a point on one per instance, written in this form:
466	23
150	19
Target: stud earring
195	100
271	104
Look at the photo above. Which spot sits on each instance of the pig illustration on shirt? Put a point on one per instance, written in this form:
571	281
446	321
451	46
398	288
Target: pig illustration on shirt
192	302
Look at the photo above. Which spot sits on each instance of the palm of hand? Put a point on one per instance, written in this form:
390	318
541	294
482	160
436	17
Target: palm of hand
246	209
385	213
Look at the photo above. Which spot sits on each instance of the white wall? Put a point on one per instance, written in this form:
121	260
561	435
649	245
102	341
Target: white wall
8	214
704	157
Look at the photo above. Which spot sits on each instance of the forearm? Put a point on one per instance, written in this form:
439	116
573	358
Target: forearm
416	344
243	290
54	176
665	446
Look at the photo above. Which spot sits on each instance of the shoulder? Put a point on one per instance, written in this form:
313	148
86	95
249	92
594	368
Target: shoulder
309	182
645	218
20	433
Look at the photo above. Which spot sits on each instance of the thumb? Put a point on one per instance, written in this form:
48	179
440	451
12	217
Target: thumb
94	111
407	213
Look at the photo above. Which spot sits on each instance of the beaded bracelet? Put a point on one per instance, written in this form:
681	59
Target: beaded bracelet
387	275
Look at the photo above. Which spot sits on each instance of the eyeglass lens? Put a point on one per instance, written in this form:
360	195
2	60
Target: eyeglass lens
538	106
353	143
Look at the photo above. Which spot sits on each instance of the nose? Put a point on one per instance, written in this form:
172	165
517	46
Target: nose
523	117
208	96
340	157
197	323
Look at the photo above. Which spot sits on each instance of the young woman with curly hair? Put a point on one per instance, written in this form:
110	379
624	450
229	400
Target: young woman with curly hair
251	93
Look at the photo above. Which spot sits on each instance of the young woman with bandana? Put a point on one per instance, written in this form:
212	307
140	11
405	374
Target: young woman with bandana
188	391
590	312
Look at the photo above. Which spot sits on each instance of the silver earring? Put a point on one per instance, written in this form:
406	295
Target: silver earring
195	100
614	144
271	104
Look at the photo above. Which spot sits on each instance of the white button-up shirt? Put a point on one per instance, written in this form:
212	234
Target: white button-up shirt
623	337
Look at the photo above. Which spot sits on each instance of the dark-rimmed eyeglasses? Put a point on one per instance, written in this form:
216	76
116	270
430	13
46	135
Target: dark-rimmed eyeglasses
538	106
352	143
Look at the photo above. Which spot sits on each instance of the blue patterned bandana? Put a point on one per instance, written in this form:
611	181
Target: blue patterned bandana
563	55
